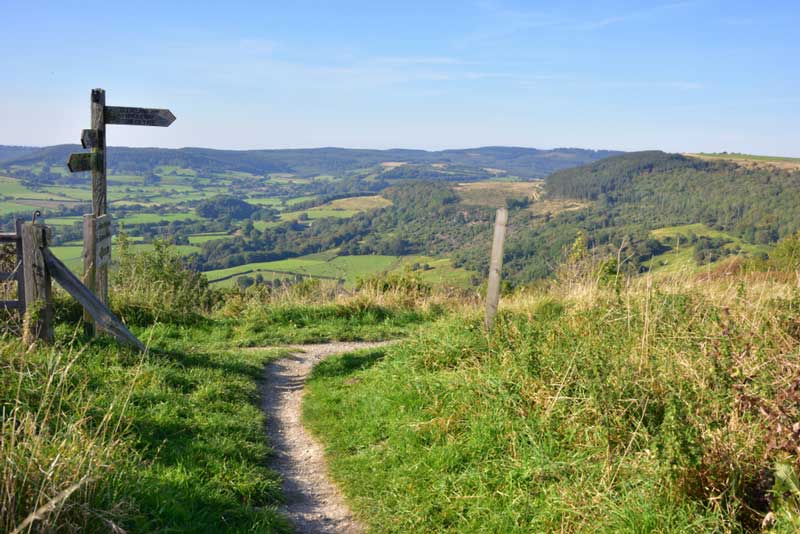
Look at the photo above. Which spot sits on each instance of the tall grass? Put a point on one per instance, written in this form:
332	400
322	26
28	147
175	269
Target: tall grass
598	403
53	441
314	311
95	437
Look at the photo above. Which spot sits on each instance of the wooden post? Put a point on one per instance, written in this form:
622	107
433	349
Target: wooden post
96	256
89	271
20	272
37	324
496	264
99	187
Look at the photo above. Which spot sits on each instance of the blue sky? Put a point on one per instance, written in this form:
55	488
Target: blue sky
705	75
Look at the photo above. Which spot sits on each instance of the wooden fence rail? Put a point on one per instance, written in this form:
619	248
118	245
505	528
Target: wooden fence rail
35	265
16	274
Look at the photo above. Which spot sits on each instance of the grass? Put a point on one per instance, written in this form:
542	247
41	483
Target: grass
358	203
494	193
752	160
350	269
585	410
318	213
198	239
347	268
144	218
165	442
72	255
680	259
171	440
440	271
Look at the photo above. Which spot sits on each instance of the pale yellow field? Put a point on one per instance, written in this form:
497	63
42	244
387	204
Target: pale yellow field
752	162
358	203
494	194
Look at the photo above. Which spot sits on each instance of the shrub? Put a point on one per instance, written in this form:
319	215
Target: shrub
152	284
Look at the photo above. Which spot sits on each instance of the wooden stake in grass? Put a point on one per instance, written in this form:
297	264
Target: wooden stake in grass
493	289
37	286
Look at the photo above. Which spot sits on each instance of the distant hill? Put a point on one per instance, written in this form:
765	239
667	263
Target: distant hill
526	163
12	152
630	196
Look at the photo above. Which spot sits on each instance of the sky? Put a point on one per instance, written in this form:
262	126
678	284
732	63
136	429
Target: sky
682	76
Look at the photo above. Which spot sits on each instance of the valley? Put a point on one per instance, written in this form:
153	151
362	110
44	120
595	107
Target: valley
276	217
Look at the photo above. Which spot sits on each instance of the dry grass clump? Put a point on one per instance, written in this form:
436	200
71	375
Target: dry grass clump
54	442
388	291
710	361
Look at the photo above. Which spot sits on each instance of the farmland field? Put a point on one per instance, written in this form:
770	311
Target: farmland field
494	193
680	258
750	160
347	269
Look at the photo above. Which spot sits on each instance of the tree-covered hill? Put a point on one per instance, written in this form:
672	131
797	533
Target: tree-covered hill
628	196
523	162
624	199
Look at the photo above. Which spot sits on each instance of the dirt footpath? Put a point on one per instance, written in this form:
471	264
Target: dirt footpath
313	503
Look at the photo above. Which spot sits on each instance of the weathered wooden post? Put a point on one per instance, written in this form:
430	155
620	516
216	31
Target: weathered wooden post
37	324
97	225
20	273
495	266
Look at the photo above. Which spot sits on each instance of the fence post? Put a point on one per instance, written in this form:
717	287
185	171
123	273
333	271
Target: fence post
37	324
496	264
89	269
20	273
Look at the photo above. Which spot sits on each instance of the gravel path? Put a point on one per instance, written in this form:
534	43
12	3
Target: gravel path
313	503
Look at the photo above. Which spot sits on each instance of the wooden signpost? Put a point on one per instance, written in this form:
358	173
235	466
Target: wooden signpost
97	225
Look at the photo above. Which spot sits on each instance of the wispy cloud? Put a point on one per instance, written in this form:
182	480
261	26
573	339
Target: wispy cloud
630	15
502	22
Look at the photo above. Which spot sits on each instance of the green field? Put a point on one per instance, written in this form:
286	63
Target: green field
745	157
198	239
143	218
343	208
72	255
680	258
346	268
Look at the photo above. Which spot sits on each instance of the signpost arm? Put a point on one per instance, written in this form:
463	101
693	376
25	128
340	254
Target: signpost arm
97	225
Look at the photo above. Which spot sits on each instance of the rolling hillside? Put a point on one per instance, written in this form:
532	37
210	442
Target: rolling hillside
523	162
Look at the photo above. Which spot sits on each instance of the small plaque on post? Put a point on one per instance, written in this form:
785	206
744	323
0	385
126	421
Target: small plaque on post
102	232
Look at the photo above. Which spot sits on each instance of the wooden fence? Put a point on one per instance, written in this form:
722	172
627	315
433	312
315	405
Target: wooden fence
35	267
15	274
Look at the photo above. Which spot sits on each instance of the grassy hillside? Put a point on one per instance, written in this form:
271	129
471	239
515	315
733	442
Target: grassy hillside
599	402
98	438
437	205
652	407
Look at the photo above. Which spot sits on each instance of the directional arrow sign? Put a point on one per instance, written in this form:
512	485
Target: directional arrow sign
138	116
82	161
90	138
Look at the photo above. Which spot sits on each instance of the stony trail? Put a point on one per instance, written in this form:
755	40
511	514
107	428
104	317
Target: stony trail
313	503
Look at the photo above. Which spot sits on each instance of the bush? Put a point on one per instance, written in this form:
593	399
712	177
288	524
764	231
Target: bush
158	284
